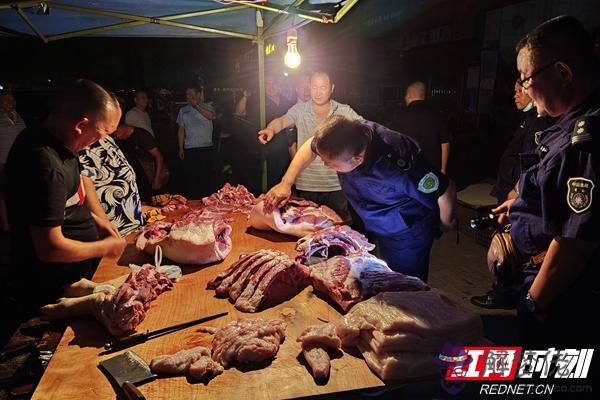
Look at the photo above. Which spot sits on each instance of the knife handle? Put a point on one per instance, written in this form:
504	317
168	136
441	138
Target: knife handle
132	392
125	342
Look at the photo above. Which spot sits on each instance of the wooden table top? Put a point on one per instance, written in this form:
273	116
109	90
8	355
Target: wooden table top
73	372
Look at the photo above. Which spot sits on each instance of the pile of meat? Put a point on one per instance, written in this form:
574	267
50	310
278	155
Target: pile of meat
400	334
195	362
259	278
348	280
338	240
297	218
230	199
316	341
245	341
124	310
199	237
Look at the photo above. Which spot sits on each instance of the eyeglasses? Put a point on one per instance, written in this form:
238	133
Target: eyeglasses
526	82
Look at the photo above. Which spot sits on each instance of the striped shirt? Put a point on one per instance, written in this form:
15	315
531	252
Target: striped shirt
316	177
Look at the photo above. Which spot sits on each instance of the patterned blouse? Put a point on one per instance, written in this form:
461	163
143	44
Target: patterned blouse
115	182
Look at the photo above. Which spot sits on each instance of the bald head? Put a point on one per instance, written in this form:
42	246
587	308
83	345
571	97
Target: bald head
415	91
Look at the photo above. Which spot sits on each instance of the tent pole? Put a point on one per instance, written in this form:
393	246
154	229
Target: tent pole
261	85
35	30
345	8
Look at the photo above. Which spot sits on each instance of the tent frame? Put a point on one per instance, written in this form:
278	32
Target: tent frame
132	20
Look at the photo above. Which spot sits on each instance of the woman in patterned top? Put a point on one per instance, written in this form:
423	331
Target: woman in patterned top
115	182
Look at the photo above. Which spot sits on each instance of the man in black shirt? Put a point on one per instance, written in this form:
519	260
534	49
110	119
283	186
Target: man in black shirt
423	124
59	230
141	150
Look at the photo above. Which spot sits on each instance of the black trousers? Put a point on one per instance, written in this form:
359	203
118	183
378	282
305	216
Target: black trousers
198	166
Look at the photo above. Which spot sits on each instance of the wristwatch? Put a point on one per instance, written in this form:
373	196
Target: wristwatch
530	303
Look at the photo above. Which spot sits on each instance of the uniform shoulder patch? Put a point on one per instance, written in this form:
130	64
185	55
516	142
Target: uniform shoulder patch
579	194
429	183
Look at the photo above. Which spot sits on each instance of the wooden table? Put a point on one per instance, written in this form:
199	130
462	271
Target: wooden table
73	372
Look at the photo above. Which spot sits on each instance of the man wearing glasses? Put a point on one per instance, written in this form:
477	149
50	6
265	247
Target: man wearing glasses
558	207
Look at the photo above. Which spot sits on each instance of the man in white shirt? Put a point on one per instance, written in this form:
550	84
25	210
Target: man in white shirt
316	182
138	116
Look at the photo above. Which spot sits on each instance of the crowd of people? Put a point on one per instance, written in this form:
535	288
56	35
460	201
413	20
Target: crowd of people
73	186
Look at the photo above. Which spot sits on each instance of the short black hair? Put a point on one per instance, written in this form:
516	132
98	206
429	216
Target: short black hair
560	39
83	97
338	136
321	72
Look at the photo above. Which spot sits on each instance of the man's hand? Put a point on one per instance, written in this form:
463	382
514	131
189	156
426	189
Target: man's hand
114	247
181	154
265	135
277	196
503	208
105	228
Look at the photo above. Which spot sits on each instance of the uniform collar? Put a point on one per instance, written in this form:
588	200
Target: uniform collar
565	122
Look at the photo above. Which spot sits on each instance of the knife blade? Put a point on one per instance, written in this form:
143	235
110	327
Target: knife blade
144	336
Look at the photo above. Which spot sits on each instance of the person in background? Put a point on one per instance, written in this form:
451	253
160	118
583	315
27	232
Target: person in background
316	182
138	116
277	153
58	227
557	209
402	200
419	121
11	124
141	150
302	96
195	140
523	141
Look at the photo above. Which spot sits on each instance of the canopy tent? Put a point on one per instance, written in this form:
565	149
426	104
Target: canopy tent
254	20
54	20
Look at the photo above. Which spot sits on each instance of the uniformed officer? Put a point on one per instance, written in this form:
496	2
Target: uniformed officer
387	181
558	207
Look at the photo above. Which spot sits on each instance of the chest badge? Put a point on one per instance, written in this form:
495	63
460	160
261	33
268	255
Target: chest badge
579	194
429	183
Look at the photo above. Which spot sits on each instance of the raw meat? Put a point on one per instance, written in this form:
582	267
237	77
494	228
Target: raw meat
262	277
247	341
125	310
200	237
318	360
316	339
406	341
339	240
196	362
180	362
399	365
323	335
429	314
351	279
205	368
230	199
297	218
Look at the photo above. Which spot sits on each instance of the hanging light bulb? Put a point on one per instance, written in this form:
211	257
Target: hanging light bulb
292	58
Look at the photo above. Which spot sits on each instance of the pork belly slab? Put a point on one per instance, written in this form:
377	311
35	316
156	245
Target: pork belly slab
428	314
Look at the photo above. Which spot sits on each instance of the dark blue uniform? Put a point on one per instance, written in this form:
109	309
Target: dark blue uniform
559	197
395	193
